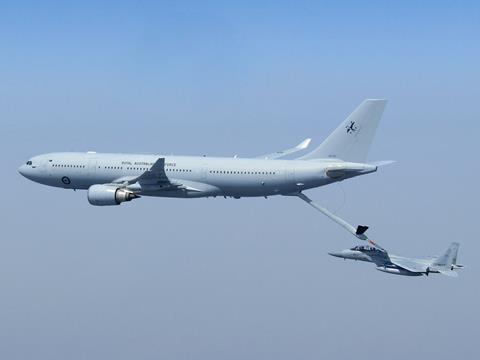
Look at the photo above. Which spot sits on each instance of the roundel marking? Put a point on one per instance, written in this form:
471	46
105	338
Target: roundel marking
66	180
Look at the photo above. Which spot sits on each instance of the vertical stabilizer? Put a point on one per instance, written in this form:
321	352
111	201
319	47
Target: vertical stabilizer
449	258
352	139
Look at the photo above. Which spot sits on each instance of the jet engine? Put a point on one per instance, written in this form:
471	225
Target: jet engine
397	271
104	195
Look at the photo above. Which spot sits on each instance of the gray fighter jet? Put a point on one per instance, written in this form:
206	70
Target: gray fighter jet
398	265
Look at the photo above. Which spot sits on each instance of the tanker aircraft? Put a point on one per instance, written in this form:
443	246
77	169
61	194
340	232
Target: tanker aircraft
111	179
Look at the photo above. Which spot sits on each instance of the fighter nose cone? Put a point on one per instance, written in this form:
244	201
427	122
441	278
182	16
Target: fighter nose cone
336	253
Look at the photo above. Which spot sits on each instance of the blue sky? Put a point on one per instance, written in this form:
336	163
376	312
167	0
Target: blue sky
249	278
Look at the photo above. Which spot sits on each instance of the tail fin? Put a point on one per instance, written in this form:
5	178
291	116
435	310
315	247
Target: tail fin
449	258
352	139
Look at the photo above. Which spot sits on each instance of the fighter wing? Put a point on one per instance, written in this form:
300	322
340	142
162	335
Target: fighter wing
279	154
409	264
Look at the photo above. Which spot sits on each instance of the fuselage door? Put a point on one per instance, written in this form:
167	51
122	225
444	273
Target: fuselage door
92	167
290	174
203	172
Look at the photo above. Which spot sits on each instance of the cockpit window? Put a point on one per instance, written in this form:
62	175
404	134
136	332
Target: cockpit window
366	248
363	248
29	162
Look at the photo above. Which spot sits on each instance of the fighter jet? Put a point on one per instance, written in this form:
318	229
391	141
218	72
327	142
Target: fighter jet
398	265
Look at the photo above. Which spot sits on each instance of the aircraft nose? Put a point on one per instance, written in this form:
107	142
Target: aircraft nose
25	171
336	254
22	170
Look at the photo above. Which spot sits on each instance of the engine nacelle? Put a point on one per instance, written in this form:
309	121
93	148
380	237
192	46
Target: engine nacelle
397	271
105	195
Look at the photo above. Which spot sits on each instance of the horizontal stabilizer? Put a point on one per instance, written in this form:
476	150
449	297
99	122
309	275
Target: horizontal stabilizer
382	163
448	273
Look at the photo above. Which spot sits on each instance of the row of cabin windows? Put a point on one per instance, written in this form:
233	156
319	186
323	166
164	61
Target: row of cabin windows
121	168
68	166
176	170
141	168
243	172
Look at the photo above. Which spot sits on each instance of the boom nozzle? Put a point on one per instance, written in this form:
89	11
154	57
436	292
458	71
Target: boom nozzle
361	229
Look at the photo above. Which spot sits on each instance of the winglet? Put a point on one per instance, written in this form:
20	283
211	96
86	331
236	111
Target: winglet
280	154
304	144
